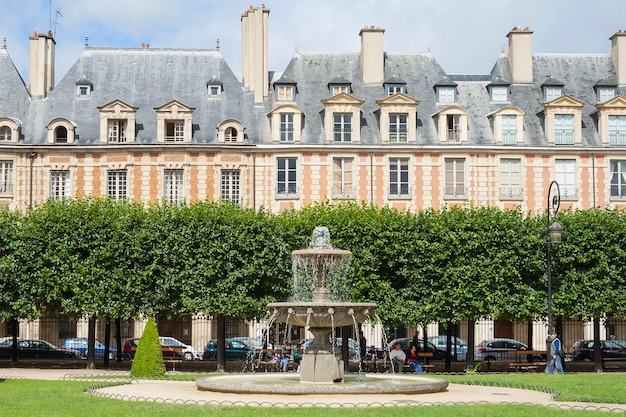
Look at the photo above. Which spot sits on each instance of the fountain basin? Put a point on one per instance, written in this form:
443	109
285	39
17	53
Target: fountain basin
285	383
317	314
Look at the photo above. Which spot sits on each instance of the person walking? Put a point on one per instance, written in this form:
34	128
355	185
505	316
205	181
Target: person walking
555	354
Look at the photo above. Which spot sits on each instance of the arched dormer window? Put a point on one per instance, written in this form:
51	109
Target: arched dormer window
452	123
508	123
230	131
61	131
287	122
9	129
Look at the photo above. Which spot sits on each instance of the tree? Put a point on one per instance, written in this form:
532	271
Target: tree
148	361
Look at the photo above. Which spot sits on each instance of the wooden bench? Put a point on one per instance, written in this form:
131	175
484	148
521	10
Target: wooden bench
267	361
529	364
405	366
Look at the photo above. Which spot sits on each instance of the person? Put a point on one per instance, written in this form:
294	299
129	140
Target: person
286	356
416	341
413	360
362	350
397	358
555	356
297	355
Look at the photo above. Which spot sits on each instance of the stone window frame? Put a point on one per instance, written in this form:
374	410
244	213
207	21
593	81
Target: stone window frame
398	104
342	103
230	124
57	123
275	122
442	123
614	107
14	125
564	105
118	110
497	117
173	111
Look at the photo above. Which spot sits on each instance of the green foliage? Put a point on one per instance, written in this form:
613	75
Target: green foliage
148	361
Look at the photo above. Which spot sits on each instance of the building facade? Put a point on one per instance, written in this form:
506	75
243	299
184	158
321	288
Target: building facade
176	125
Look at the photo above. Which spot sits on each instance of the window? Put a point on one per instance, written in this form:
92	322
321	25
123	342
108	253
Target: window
552	92
286	182
445	94
6	177
565	175
60	135
453	123
174	131
499	93
398	177
342	177
338	89
455	177
397	128
284	92
509	129
230	185
214	90
286	127
617	130
394	89
5	134
116	184
605	93
173	192
342	127
510	178
618	178
83	91
230	135
59	184
117	131
564	129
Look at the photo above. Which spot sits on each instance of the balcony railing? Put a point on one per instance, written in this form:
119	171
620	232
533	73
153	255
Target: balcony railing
511	192
342	135
454	135
564	137
509	137
617	137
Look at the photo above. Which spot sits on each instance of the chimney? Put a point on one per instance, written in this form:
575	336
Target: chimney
372	55
254	51
521	55
618	53
41	64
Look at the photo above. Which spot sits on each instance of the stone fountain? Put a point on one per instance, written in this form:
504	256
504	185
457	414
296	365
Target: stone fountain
319	265
319	304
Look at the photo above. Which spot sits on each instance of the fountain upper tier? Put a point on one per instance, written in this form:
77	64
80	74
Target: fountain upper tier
321	314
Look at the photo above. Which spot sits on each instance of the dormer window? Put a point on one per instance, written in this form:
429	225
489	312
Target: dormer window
284	92
5	134
214	87
174	122
61	131
605	93
9	129
339	85
230	135
230	131
117	122
83	87
499	93
445	94
394	85
286	121
552	89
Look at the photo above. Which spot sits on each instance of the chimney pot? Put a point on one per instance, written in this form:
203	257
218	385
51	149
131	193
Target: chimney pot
143	45
147	45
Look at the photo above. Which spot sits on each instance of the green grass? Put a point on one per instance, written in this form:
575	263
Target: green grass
19	397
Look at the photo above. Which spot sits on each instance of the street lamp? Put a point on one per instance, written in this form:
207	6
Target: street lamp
553	238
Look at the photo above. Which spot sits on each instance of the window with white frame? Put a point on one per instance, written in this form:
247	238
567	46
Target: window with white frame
6	177
117	184
286	127
510	178
617	130
5	134
59	184
116	131
552	92
342	127
618	178
287	176
284	92
445	94
338	89
343	177
455	177
230	185
509	129
230	135
214	90
83	91
174	131
564	129
499	93
453	125
398	177
173	190
565	175
398	128
605	93
395	89
60	134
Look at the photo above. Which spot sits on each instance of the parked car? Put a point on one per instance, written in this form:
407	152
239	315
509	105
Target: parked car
405	343
37	349
170	348
583	350
235	348
80	344
458	345
498	348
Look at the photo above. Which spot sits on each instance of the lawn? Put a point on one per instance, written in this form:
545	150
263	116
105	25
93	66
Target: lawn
22	397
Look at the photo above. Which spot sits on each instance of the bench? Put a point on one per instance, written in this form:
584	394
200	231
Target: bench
529	364
267	362
405	366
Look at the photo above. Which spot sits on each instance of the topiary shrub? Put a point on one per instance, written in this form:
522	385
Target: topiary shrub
148	361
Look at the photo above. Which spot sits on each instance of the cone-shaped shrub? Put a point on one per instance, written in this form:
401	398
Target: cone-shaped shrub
148	361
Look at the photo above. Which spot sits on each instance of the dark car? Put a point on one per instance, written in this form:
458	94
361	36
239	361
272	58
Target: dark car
37	349
583	350
170	348
406	342
235	348
499	348
80	344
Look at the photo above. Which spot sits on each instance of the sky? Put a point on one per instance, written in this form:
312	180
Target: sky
464	36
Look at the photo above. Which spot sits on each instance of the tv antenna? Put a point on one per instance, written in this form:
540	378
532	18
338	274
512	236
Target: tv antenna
56	19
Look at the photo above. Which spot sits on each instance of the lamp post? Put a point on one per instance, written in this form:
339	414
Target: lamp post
553	238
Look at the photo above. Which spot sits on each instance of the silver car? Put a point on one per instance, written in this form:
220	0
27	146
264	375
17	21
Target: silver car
497	349
458	345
